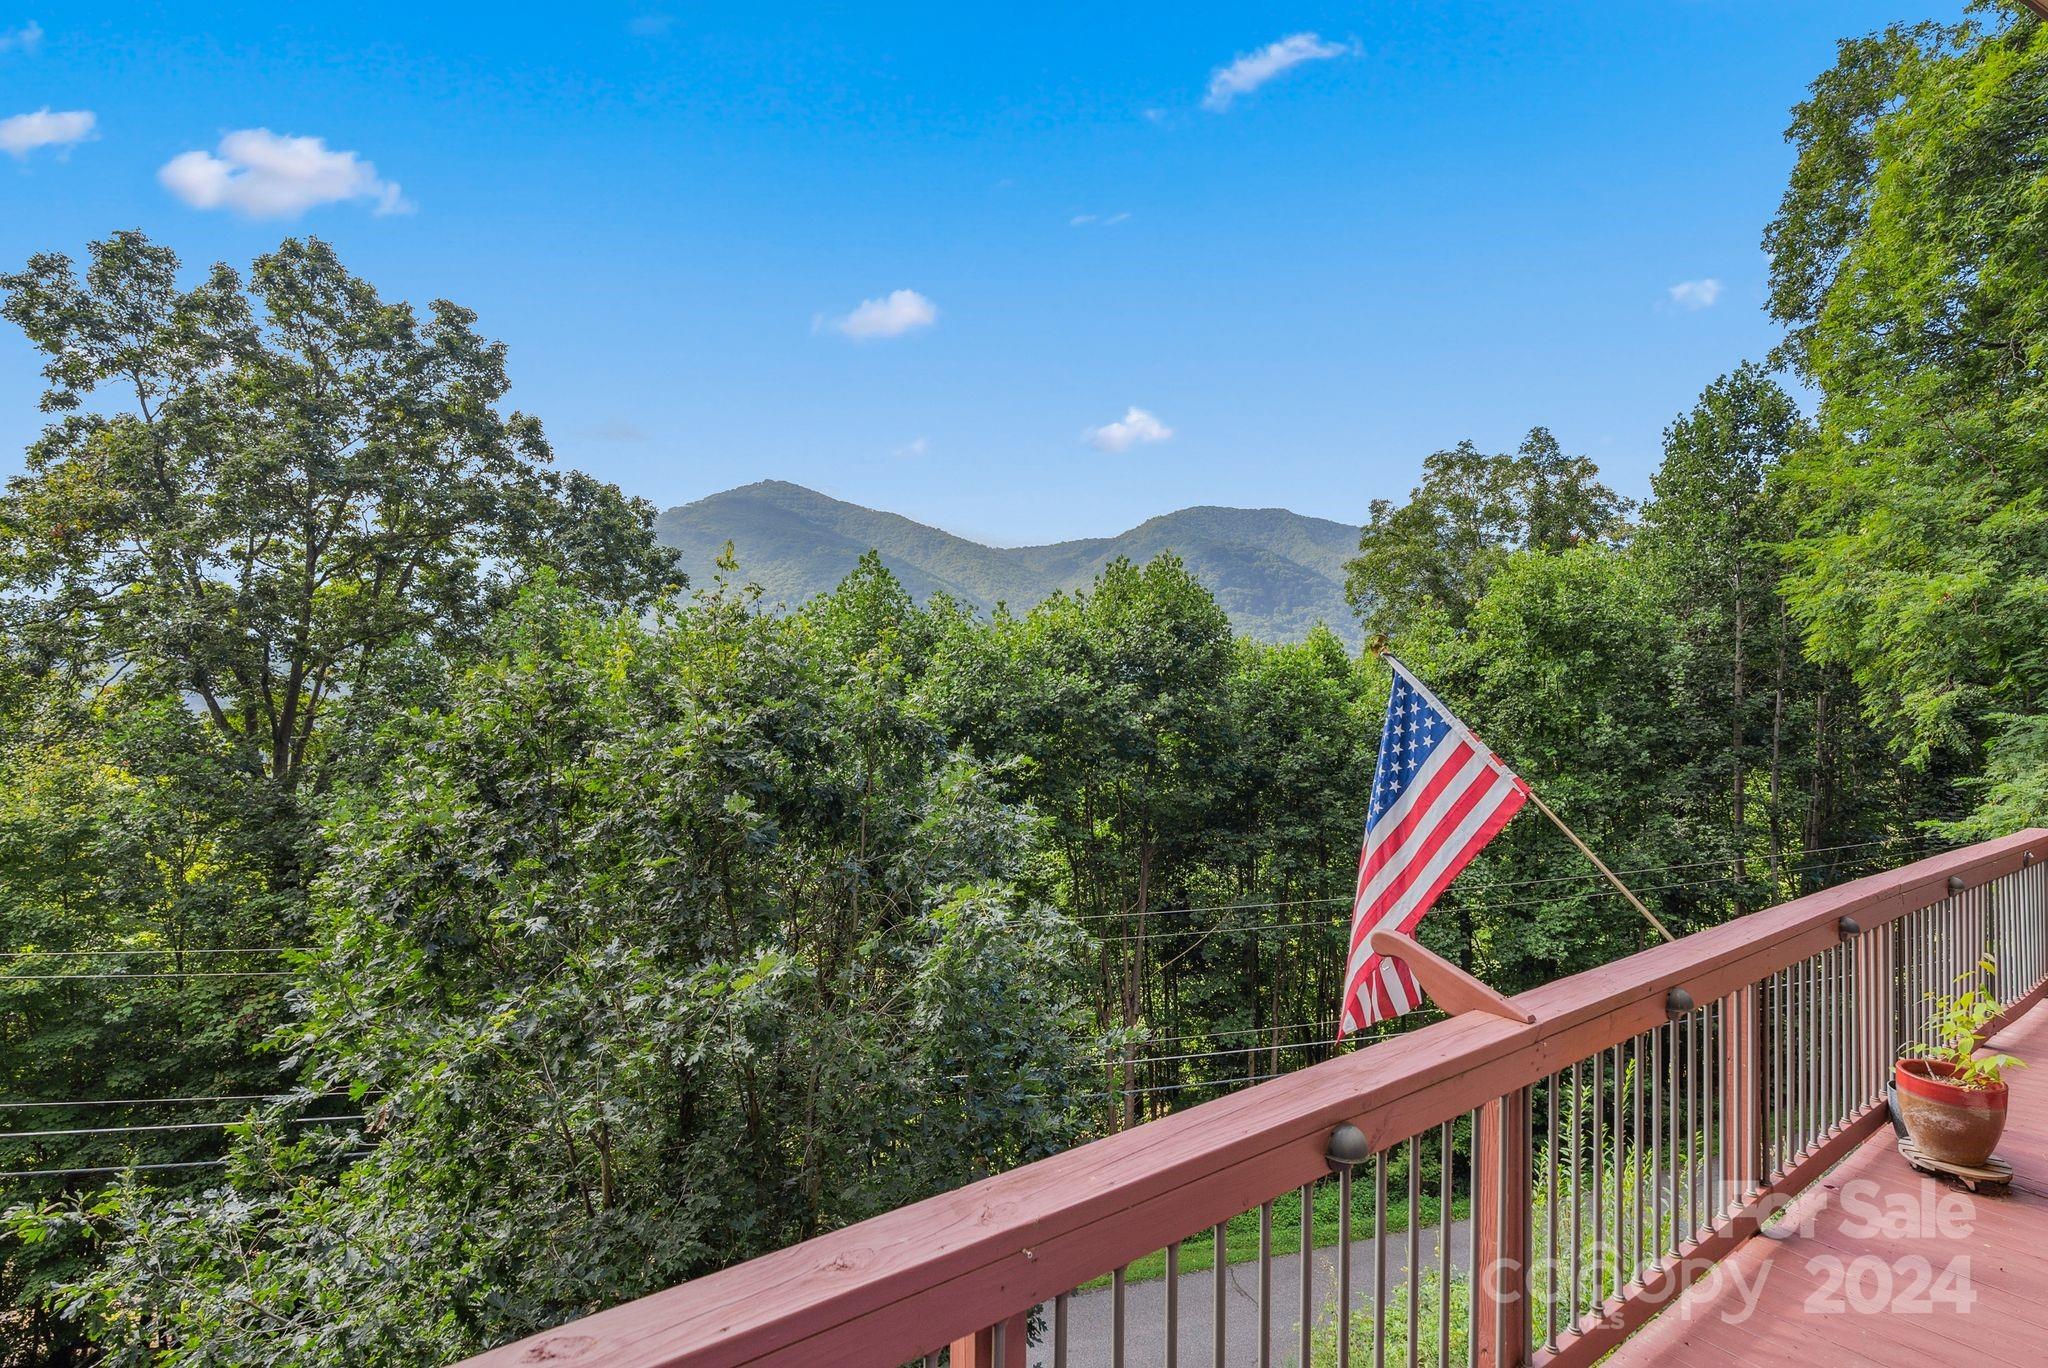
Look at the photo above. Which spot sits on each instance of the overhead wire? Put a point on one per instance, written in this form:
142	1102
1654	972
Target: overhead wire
1259	928
154	1101
1587	876
166	1126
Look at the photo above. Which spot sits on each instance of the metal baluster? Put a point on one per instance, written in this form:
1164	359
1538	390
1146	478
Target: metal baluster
1703	1123
1472	1252
1059	1331
1116	1321
1849	1036
1618	1233
1817	1053
1822	991
1850	1059
1550	1205
1805	1056
1845	1036
1173	1305
1635	1188
1414	1251
1265	1285
1578	1200
1599	1294
1308	1262
1219	1280
1907	999
1379	1260
1824	1038
1344	1267
1692	1124
1717	1089
1444	1205
1774	1074
1657	1140
1784	1100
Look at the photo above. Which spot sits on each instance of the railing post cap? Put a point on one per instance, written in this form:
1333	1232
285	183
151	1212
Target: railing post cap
1348	1148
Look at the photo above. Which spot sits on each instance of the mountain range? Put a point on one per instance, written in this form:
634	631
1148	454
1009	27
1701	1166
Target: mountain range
1276	573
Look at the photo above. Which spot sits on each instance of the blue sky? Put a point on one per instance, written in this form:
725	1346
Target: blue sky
932	258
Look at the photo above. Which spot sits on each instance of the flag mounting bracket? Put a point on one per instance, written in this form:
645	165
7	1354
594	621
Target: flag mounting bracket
1450	987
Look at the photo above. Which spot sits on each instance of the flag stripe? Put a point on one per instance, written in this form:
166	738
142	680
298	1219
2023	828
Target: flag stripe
1438	797
1506	796
1446	848
1397	877
1399	821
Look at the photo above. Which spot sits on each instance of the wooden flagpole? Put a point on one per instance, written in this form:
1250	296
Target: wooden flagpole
1379	648
1598	863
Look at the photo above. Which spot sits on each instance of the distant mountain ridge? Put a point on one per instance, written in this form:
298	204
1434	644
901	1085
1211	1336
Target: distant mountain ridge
1276	573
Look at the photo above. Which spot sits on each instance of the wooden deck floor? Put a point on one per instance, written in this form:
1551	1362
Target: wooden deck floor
1894	1269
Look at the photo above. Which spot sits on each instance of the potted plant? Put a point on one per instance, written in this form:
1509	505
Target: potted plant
1951	1100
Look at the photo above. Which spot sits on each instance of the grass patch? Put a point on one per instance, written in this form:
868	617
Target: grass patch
1241	1232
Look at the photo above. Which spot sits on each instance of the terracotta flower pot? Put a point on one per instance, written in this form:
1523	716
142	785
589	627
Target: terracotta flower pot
1954	1124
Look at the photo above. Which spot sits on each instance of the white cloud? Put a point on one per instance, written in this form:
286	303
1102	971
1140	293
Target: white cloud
65	128
894	314
27	38
1253	69
914	448
1134	428
1097	220
1696	294
259	174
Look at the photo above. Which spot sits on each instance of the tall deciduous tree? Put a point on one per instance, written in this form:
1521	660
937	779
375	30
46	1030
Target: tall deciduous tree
1909	262
1435	553
248	492
1713	530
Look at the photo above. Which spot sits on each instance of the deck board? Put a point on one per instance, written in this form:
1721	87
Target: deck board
1999	1242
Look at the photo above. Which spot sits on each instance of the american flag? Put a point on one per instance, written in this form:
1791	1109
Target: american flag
1438	795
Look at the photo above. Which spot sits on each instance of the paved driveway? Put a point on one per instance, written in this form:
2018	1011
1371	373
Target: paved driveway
1090	1315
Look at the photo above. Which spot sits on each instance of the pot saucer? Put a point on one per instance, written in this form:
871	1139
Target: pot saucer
1995	1172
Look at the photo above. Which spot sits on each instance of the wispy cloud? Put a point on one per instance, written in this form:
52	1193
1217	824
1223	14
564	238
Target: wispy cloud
914	448
1097	220
260	174
894	314
63	128
1696	294
1135	428
27	38
1253	69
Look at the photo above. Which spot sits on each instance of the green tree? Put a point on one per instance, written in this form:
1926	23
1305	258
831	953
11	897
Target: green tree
249	492
1437	551
1909	264
657	947
1107	711
1563	668
1712	530
134	867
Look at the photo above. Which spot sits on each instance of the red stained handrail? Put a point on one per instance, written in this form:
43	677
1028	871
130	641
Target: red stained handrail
891	1288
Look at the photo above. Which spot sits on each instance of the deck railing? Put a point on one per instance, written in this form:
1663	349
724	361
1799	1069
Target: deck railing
1655	1114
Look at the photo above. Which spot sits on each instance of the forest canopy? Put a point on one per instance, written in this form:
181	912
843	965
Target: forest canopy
521	929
